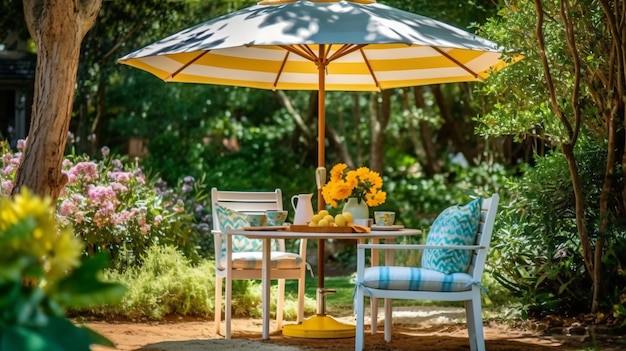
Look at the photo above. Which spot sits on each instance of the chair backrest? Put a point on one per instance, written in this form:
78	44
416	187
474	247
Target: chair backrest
483	237
246	201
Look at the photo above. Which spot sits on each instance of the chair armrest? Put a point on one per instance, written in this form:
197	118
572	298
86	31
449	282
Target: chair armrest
418	247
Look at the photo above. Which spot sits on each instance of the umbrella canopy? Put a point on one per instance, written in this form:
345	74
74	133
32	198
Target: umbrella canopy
359	45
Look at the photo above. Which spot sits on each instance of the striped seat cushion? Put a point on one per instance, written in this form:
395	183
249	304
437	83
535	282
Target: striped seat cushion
415	279
456	225
254	260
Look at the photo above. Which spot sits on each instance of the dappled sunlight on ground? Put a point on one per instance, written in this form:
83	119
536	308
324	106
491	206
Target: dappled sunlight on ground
430	328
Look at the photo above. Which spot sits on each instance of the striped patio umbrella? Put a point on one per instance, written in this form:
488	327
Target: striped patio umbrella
344	45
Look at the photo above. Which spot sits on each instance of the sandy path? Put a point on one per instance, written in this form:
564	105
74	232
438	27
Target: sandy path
441	329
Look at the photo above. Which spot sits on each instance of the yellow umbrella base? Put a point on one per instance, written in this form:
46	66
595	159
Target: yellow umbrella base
320	327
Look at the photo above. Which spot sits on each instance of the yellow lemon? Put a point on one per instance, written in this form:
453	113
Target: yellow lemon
316	218
340	220
312	224
322	223
329	218
323	213
348	217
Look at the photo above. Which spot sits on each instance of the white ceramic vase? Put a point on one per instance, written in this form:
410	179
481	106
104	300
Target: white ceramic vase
358	210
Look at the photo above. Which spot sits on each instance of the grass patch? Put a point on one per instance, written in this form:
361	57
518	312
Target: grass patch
168	284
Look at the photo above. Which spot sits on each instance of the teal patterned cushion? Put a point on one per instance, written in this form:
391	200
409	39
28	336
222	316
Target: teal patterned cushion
415	279
230	219
456	225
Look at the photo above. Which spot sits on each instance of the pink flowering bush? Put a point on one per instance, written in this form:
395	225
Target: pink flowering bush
115	207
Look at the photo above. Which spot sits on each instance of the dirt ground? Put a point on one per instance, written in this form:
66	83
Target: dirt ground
440	329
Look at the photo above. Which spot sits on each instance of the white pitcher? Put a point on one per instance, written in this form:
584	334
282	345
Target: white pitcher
303	209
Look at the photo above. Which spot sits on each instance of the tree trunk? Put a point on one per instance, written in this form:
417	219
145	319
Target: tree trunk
379	118
58	28
453	128
432	165
356	120
588	252
334	139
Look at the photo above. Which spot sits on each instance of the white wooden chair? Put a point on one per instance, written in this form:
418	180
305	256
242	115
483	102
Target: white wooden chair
246	255
414	283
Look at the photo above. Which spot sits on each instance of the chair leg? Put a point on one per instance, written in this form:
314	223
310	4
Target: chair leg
228	306
388	319
280	304
301	287
218	304
374	314
473	312
359	338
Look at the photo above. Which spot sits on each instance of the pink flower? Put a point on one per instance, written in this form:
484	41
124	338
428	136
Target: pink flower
103	215
140	179
67	207
7	187
6	158
122	217
79	217
101	195
119	188
122	177
21	144
145	229
8	170
87	171
71	205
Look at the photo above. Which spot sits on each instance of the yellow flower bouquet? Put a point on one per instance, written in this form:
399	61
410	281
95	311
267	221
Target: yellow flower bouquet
362	183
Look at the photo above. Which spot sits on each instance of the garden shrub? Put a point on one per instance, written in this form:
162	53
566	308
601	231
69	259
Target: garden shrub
167	283
115	207
536	249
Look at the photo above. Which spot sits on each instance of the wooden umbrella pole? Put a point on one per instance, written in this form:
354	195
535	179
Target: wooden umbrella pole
321	125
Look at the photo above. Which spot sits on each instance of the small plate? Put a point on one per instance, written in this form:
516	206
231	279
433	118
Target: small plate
267	228
387	227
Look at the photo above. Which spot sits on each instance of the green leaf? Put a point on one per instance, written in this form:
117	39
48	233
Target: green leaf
21	229
83	288
15	267
19	338
8	293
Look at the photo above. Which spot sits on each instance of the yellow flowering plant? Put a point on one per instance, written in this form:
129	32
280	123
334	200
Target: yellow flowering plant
361	183
41	274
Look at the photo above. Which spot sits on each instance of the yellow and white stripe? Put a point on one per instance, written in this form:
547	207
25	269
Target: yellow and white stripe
276	47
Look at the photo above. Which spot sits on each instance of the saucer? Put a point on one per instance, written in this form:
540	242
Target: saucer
387	227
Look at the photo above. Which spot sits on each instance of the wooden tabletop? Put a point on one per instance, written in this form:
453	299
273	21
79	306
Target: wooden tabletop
285	234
